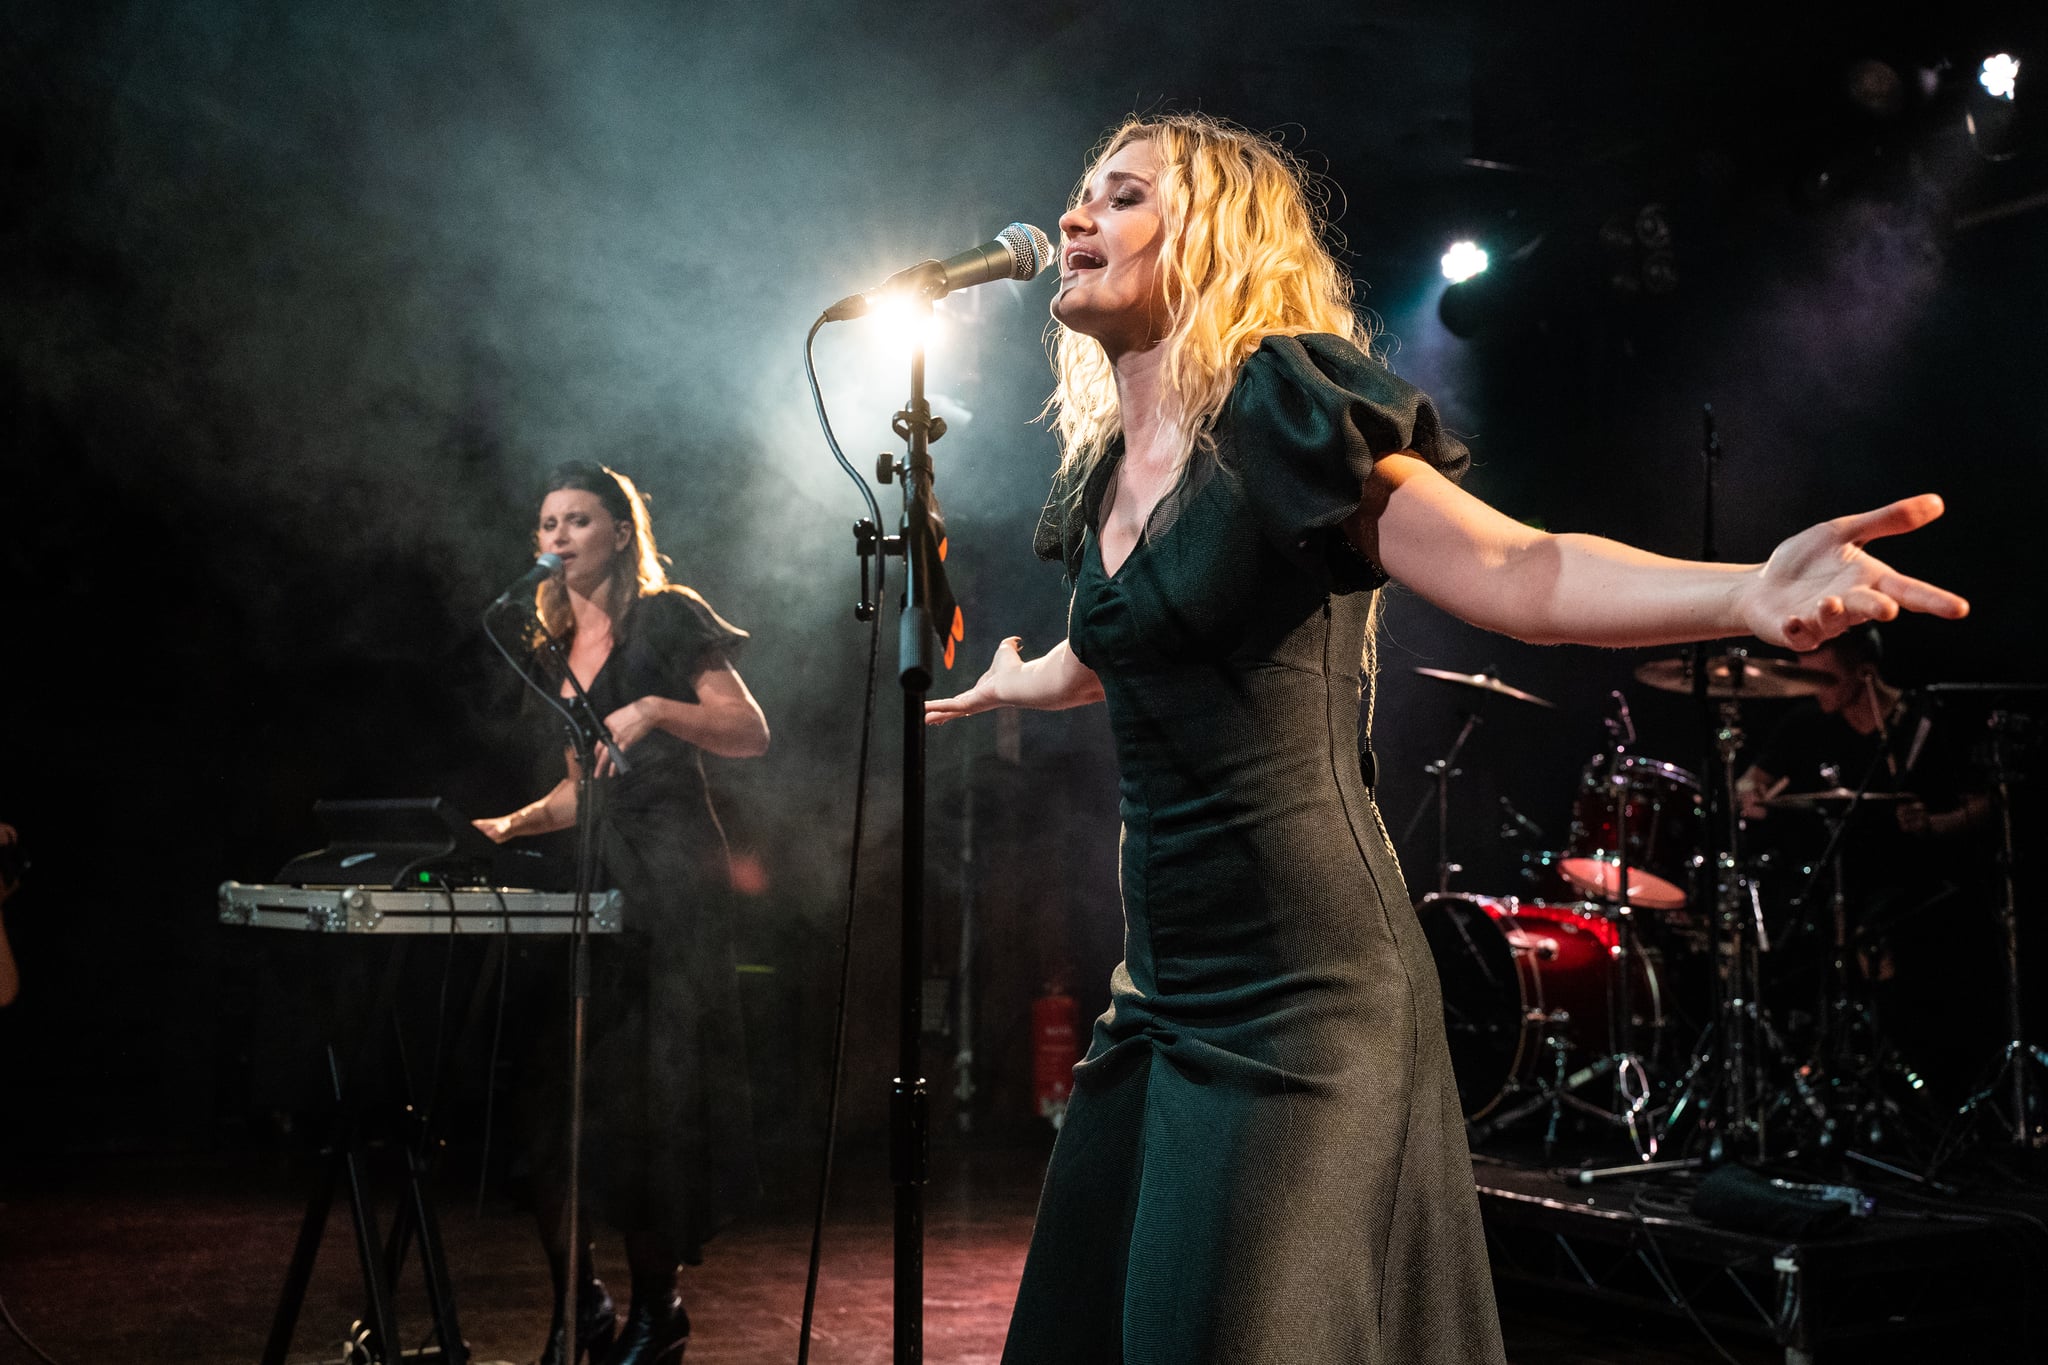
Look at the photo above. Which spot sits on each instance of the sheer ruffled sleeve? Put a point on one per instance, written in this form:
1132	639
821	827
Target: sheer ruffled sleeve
1308	418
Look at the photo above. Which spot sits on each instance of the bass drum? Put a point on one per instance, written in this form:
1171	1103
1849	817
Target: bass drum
1515	970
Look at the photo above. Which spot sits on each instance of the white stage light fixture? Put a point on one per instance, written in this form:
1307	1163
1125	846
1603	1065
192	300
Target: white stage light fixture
1999	75
1463	261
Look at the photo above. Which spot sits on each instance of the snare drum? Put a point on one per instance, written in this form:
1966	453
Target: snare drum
1513	970
1660	809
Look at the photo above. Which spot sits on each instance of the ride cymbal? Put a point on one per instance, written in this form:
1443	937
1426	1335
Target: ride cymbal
1734	675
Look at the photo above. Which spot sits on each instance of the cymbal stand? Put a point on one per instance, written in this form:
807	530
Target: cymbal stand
1736	965
1726	1071
2020	1059
1723	1084
1634	1111
1443	770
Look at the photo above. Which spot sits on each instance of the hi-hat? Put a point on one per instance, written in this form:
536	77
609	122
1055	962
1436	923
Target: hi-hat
1485	682
1734	675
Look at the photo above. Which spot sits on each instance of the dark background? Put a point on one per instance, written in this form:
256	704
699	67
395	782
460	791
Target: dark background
299	301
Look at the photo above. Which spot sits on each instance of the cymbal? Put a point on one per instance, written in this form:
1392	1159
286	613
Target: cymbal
1734	675
1833	796
1485	682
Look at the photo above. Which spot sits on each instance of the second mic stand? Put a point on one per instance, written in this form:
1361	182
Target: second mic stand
587	733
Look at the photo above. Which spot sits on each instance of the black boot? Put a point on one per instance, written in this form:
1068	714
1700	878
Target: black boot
656	1328
597	1324
656	1332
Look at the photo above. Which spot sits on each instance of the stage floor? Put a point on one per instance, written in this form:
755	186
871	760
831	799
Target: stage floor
180	1262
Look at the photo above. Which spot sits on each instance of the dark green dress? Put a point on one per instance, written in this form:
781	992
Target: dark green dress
1264	1160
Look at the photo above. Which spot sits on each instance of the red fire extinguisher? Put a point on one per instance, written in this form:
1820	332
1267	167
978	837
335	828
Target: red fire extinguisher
1055	1047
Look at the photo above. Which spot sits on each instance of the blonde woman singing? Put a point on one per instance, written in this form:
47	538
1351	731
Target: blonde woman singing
1265	1159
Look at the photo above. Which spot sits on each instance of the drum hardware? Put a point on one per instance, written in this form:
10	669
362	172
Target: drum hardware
1626	892
2022	1066
1733	676
1834	798
1615	919
1722	1091
1442	770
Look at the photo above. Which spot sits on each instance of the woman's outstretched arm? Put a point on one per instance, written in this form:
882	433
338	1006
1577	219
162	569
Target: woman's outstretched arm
1491	570
1053	681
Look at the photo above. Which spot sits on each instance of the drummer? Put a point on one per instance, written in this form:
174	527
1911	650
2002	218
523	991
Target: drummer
1856	720
1919	906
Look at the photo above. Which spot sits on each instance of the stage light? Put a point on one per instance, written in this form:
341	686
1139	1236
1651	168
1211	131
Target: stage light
1999	75
1463	261
901	324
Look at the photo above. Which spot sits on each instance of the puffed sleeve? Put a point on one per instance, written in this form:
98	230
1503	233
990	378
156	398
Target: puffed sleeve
688	636
1308	417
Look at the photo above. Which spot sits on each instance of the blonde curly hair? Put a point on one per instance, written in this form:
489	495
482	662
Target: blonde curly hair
1246	254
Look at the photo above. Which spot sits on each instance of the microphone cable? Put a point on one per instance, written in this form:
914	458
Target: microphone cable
860	793
14	1328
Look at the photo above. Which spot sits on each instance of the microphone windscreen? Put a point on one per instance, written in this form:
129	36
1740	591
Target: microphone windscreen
548	564
1030	250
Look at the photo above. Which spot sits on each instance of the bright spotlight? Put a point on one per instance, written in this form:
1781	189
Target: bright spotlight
903	325
1999	75
1463	261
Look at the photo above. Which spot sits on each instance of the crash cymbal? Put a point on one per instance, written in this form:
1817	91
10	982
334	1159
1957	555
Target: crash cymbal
1485	682
1734	675
1833	796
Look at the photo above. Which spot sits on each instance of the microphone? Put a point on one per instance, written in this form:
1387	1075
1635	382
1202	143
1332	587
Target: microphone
544	567
1019	252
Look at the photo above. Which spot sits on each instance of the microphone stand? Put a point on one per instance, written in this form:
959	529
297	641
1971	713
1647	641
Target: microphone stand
928	616
587	733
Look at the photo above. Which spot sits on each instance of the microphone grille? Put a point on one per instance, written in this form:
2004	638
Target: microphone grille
1030	250
548	563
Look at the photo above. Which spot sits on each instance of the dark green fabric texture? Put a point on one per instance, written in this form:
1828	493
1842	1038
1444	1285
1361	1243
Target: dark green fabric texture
1264	1159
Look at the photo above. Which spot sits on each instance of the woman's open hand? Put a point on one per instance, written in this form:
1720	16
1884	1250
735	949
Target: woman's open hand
496	828
1822	581
986	694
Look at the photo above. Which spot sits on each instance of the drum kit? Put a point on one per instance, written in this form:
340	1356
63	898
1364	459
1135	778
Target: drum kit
1630	985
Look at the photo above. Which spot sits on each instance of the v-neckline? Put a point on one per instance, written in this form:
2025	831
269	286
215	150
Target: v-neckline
603	664
1145	534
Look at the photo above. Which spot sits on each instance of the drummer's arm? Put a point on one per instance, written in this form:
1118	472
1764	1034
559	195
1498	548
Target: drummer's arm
1754	788
1973	810
1493	571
